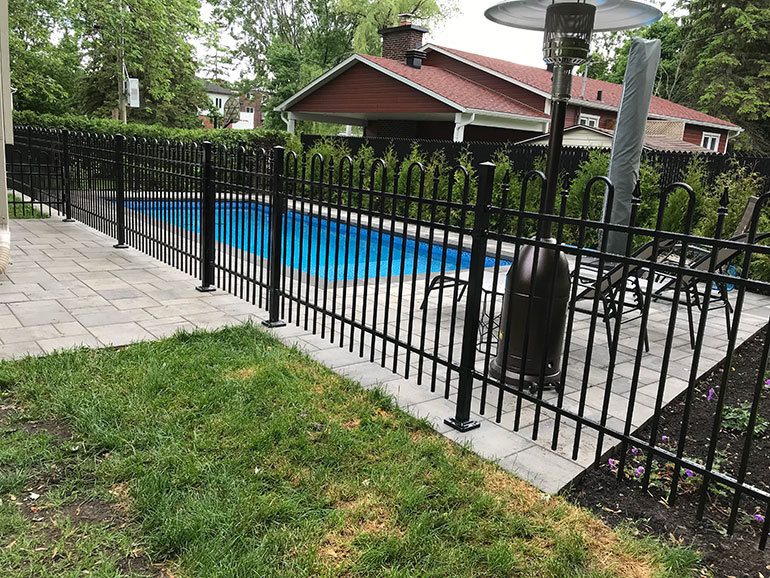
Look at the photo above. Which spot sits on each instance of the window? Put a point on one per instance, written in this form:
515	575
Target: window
218	102
589	120
250	109
710	141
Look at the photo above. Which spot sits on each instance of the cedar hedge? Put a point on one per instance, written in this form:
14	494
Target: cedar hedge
259	137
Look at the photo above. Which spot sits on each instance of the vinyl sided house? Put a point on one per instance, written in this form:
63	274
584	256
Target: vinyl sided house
250	106
424	91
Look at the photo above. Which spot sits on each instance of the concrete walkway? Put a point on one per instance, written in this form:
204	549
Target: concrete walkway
67	286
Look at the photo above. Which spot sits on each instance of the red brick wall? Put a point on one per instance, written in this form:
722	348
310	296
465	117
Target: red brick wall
396	41
256	104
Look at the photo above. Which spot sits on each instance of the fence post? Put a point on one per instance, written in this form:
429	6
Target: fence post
65	156
462	419
120	194
207	221
276	241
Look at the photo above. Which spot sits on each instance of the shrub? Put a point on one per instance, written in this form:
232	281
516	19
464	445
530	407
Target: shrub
259	137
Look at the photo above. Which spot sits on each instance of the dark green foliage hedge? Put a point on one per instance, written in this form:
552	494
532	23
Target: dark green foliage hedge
259	137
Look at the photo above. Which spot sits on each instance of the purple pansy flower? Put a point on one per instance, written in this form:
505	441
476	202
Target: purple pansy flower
759	517
613	463
635	451
639	471
664	439
711	394
688	473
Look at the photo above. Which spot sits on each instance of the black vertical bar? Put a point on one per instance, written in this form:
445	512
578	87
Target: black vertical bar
120	200
462	418
276	241
65	145
208	221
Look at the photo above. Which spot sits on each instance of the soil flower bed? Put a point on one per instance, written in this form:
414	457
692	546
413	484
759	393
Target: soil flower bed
619	502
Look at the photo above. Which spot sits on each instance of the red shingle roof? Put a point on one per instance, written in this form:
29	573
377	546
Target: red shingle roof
540	79
459	90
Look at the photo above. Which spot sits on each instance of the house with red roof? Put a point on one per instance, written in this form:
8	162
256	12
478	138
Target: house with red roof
424	91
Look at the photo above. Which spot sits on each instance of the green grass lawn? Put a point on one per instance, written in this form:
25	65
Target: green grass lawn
227	454
26	211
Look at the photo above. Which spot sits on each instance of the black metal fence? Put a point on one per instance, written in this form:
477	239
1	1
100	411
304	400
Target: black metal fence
672	164
411	270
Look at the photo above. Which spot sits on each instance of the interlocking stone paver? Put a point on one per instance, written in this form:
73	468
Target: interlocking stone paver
542	467
36	333
41	313
169	329
20	349
66	342
13	297
111	316
9	321
120	333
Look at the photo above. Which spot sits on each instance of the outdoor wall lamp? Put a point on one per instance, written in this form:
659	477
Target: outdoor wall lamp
537	286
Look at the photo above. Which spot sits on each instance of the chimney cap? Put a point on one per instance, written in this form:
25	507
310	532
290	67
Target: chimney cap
405	18
415	57
401	28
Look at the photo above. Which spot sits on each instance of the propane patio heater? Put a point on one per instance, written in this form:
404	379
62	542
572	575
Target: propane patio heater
537	286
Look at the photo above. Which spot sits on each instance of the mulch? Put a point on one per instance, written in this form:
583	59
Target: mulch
618	501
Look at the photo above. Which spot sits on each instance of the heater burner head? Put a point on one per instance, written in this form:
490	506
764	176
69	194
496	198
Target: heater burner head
568	28
610	14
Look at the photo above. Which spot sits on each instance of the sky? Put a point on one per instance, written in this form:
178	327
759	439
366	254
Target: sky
467	29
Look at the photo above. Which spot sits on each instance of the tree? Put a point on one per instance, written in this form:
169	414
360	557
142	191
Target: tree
45	74
153	37
290	42
727	58
610	57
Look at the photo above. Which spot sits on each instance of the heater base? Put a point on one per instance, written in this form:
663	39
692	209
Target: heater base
274	324
531	382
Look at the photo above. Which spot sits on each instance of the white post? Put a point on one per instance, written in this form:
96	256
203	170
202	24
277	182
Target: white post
461	121
288	118
6	136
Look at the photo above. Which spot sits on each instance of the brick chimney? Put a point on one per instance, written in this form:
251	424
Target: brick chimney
398	40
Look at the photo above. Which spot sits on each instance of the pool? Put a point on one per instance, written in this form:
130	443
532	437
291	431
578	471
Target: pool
309	240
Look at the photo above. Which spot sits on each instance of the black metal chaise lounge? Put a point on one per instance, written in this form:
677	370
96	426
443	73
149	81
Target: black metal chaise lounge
694	296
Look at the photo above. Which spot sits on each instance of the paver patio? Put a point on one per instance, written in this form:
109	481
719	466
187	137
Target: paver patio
67	286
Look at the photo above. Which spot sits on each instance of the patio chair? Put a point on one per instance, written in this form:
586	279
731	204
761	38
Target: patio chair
442	281
694	296
618	279
669	250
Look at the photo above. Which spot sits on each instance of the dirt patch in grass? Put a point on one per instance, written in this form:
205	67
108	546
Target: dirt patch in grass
47	519
94	511
9	414
622	501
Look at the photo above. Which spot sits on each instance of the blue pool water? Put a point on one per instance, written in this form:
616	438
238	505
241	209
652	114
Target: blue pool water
310	240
